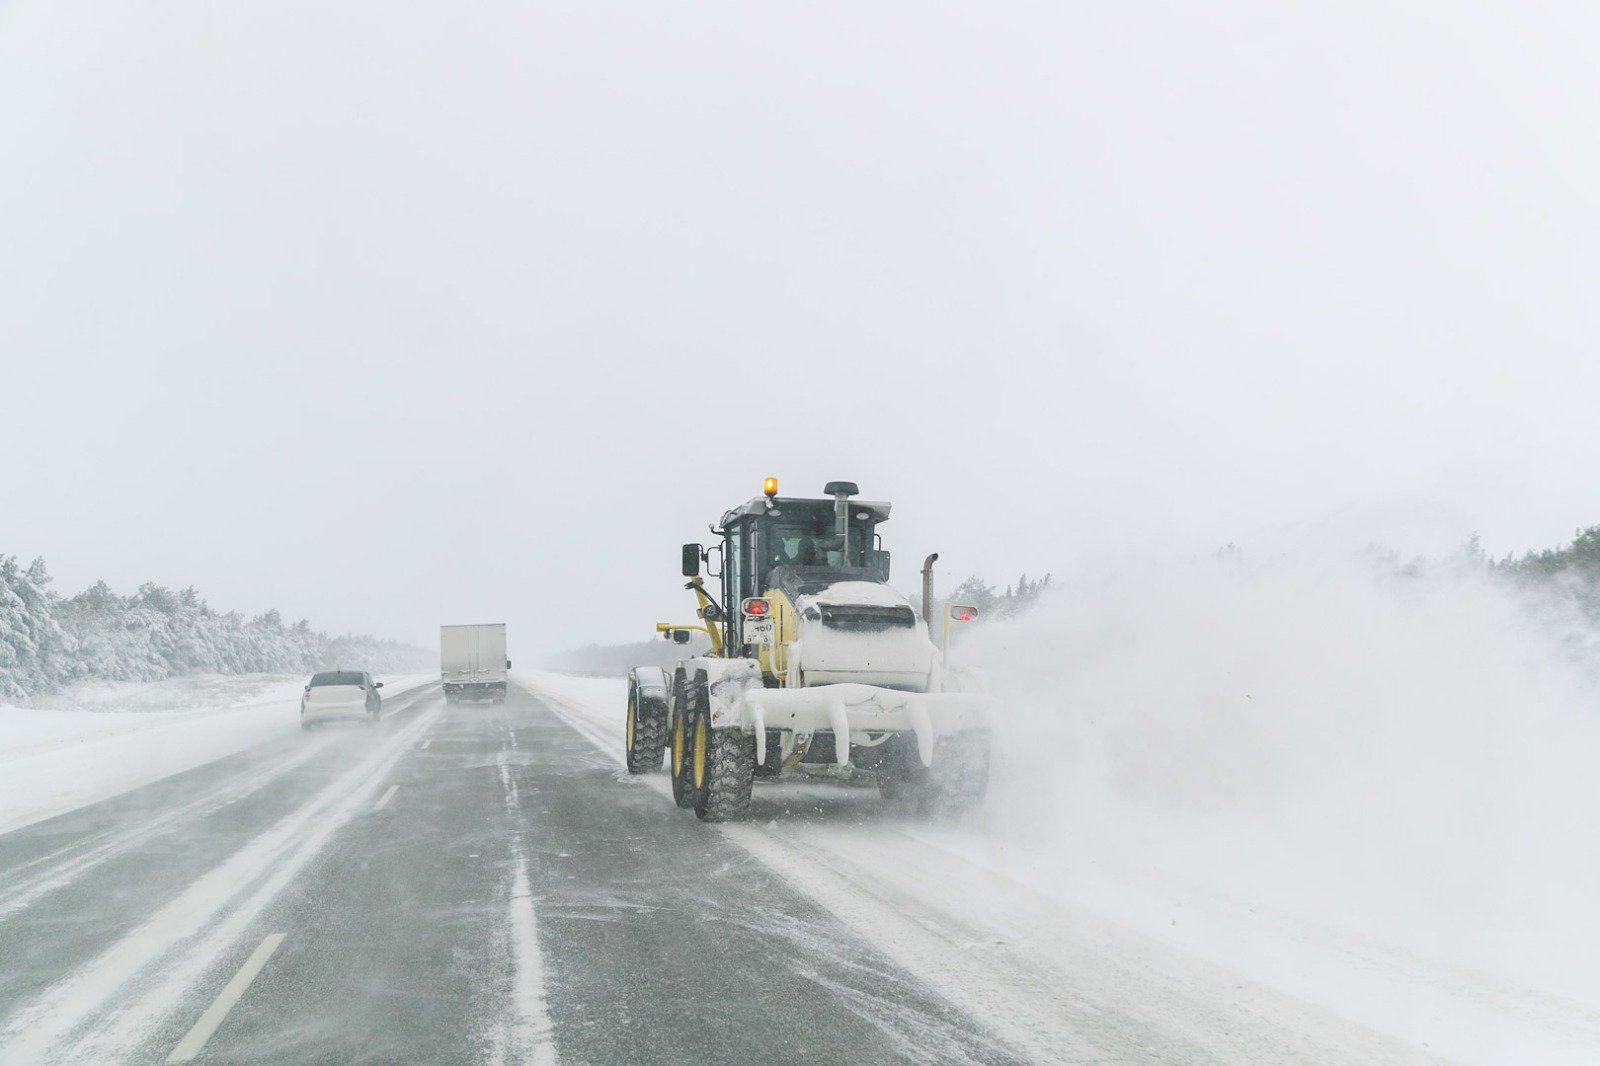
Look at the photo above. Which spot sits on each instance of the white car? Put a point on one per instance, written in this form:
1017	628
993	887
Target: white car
335	695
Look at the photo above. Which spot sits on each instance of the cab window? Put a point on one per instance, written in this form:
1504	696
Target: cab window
737	571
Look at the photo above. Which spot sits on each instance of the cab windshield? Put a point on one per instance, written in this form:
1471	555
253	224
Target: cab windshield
814	544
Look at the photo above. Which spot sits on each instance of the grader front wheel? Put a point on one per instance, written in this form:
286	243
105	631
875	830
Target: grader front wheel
730	770
689	695
647	728
722	763
959	777
957	782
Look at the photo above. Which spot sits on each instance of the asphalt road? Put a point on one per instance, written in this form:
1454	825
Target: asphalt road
458	884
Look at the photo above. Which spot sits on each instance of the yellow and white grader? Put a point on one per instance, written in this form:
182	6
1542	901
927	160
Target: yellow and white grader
816	666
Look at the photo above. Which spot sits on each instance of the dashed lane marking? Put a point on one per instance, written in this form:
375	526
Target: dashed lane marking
527	1035
425	744
195	1040
385	798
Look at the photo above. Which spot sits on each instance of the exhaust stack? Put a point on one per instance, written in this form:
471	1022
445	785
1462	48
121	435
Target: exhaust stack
841	491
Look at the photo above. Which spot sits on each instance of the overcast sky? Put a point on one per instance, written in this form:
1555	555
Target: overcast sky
393	314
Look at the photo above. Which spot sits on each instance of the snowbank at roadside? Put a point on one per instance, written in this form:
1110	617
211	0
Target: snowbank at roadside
97	739
600	699
1370	788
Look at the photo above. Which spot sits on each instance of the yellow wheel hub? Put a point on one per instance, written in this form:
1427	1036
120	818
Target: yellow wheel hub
677	746
630	723
699	753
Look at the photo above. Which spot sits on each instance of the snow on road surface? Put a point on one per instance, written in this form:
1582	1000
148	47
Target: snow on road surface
1012	923
149	969
98	740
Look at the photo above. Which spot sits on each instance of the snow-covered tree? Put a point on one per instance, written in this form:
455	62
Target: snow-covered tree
47	641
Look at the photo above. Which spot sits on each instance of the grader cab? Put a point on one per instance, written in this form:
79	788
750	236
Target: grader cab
817	666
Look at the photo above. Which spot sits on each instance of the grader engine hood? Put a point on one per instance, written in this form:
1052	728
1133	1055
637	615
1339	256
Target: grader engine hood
852	629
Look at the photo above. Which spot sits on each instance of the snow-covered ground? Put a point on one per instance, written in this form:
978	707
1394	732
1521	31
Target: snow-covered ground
1372	789
96	740
1175	919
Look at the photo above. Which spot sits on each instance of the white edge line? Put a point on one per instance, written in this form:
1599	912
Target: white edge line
386	797
196	1038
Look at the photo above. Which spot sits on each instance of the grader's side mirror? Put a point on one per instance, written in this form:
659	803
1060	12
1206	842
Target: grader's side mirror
691	560
878	564
681	636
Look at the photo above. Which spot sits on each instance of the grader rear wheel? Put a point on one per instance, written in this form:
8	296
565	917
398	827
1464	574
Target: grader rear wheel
957	781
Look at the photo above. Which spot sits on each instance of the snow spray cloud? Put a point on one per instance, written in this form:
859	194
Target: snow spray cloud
1406	752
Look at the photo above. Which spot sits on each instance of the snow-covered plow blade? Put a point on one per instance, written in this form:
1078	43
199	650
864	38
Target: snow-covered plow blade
866	714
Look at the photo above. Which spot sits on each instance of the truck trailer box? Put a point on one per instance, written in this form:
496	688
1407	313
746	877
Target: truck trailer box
472	662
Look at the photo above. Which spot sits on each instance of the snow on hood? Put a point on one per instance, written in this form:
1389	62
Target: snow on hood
857	593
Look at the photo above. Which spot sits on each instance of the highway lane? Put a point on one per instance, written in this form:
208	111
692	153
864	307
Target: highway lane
463	884
72	884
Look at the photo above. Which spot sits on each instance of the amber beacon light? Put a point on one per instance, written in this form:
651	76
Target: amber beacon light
770	487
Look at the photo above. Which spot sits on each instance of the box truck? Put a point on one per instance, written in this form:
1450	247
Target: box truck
473	663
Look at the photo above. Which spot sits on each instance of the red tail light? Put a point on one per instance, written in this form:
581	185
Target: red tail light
757	606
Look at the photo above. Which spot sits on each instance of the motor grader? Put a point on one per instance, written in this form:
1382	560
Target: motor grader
816	667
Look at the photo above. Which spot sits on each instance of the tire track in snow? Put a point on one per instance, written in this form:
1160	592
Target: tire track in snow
529	1036
83	855
102	847
186	936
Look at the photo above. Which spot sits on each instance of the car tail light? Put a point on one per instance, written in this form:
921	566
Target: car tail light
757	606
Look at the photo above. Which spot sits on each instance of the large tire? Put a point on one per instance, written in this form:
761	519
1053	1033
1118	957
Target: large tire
957	781
646	735
686	694
730	769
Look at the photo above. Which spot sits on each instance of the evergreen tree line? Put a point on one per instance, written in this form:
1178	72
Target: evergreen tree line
1572	570
615	660
47	641
993	604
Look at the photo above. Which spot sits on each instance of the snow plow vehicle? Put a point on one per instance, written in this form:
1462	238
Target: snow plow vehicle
816	667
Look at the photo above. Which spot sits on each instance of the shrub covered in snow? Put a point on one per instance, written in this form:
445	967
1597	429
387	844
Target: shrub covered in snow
47	641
